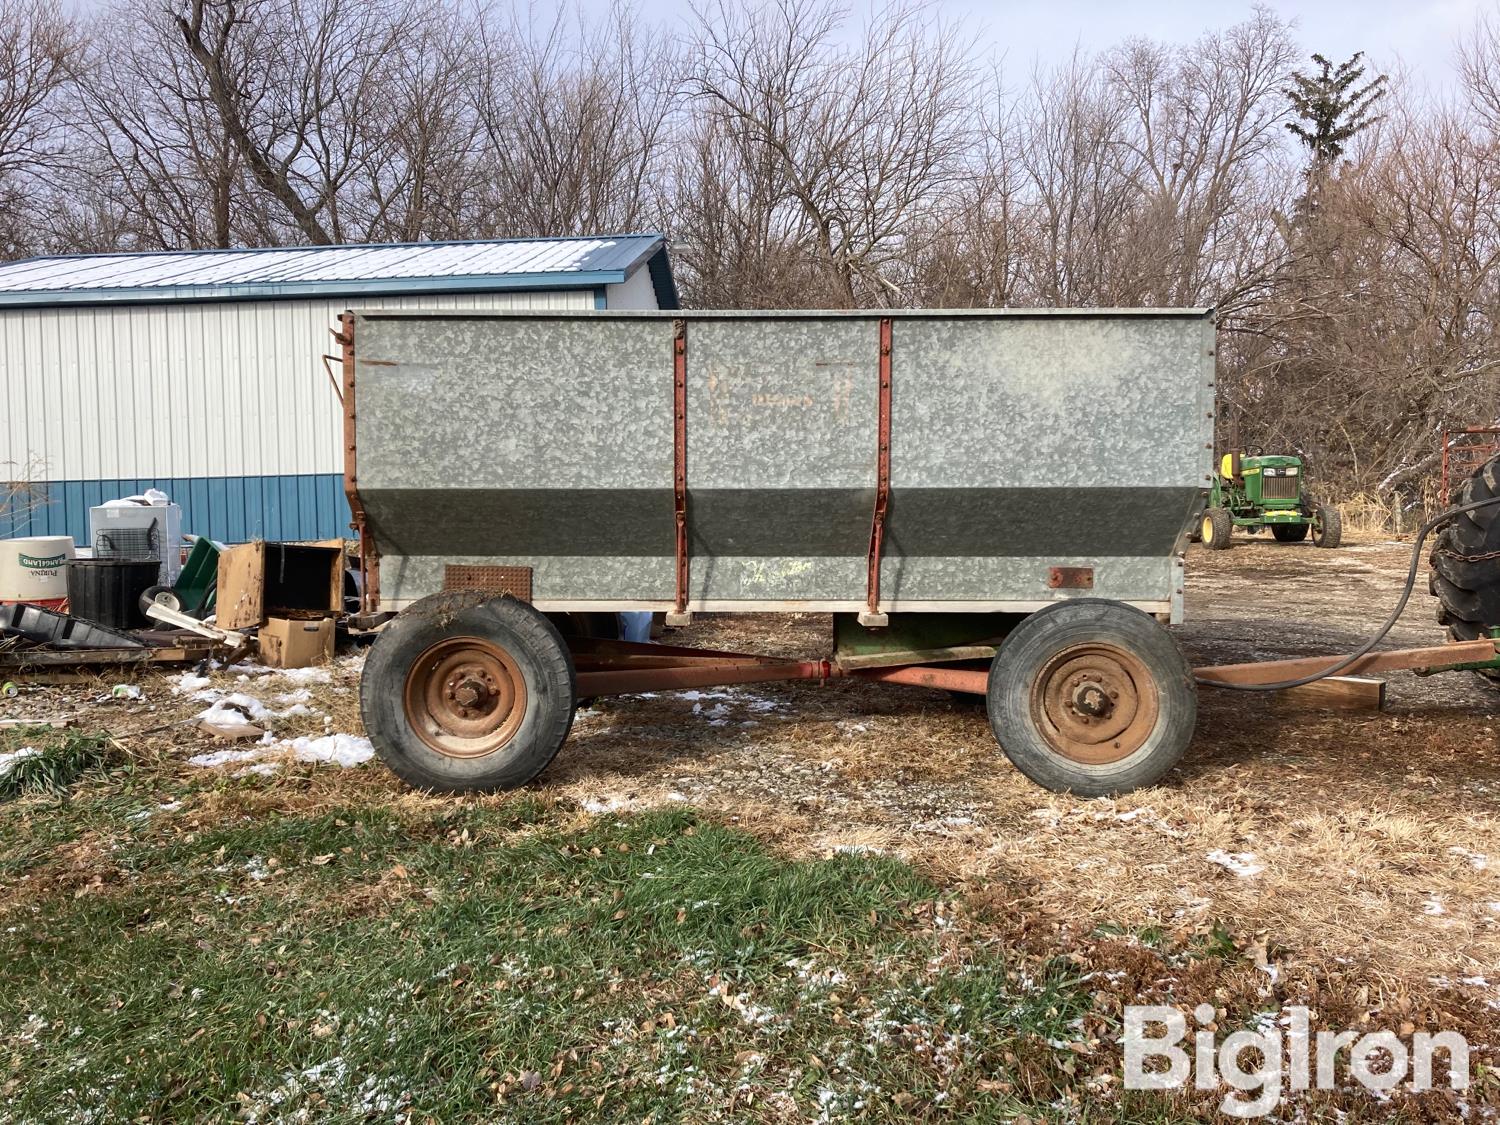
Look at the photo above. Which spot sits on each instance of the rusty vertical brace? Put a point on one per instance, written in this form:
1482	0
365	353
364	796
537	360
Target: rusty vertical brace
1444	492
369	556
679	465
872	614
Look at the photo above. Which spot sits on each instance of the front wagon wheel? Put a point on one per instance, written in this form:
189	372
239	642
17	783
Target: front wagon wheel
468	692
1092	697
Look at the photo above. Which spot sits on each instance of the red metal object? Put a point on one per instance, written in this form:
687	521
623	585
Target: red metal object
512	580
970	680
1071	578
616	667
1464	450
882	470
611	667
1431	659
369	553
679	457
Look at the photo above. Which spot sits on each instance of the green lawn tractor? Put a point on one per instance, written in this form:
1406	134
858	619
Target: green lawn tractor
1256	492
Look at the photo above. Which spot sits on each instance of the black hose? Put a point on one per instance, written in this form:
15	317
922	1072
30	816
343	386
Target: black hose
1364	649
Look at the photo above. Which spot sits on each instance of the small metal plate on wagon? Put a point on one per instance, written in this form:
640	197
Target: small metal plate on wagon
512	580
1071	578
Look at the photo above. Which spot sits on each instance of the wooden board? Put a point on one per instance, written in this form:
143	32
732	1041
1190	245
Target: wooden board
1337	693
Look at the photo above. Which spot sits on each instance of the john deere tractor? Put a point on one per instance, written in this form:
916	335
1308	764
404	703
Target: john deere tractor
1256	492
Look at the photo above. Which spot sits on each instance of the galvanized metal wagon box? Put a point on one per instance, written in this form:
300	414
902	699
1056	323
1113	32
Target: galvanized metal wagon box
984	463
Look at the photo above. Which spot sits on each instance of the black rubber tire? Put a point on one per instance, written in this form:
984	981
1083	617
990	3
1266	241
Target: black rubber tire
1026	652
1216	528
1289	532
1328	530
1468	587
526	635
158	595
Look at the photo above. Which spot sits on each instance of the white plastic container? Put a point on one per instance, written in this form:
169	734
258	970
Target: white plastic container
35	569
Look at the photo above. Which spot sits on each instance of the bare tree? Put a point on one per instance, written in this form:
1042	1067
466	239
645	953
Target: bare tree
37	45
860	139
574	123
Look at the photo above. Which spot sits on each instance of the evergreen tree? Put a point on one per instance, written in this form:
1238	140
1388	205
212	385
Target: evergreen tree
1332	106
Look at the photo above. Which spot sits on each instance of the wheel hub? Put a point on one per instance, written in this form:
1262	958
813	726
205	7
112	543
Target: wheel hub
1094	703
465	697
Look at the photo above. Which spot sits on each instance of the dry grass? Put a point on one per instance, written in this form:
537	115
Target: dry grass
1377	836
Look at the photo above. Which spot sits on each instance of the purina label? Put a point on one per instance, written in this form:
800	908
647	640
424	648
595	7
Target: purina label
38	562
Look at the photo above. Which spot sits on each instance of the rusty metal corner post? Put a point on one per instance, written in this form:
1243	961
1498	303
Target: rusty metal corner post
369	555
872	615
680	614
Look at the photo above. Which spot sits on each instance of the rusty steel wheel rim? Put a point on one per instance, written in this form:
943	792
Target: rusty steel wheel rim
465	697
1094	703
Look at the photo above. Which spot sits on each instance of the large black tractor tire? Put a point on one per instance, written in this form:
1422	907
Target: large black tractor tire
1328	528
1465	560
1092	697
1216	527
468	692
1289	532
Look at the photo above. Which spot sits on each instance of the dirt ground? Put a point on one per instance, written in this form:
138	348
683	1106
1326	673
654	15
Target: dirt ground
1351	859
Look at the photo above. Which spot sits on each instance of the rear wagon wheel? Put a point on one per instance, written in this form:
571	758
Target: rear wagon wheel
1092	697
468	692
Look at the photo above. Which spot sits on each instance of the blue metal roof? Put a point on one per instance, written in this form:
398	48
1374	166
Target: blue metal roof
338	271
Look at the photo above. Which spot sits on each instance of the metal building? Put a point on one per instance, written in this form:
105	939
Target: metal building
200	372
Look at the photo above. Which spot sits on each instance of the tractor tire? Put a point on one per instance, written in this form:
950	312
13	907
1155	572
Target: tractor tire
1465	560
1092	697
467	692
1289	532
1216	528
1328	530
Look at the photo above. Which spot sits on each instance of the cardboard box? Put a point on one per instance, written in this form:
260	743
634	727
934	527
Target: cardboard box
293	642
261	580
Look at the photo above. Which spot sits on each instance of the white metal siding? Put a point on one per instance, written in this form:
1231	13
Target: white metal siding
635	292
225	389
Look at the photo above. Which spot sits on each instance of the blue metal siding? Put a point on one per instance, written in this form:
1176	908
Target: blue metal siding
229	509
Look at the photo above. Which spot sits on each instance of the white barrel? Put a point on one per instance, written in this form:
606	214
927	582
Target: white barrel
35	570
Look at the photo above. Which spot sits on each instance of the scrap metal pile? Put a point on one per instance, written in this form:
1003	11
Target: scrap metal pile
148	594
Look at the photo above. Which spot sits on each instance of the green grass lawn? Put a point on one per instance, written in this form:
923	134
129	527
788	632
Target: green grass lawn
324	945
475	960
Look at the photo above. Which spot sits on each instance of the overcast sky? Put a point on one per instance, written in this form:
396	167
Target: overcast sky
1420	32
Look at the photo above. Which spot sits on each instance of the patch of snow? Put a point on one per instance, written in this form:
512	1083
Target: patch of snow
1477	860
341	749
318	674
187	683
226	757
1433	907
1241	864
617	804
